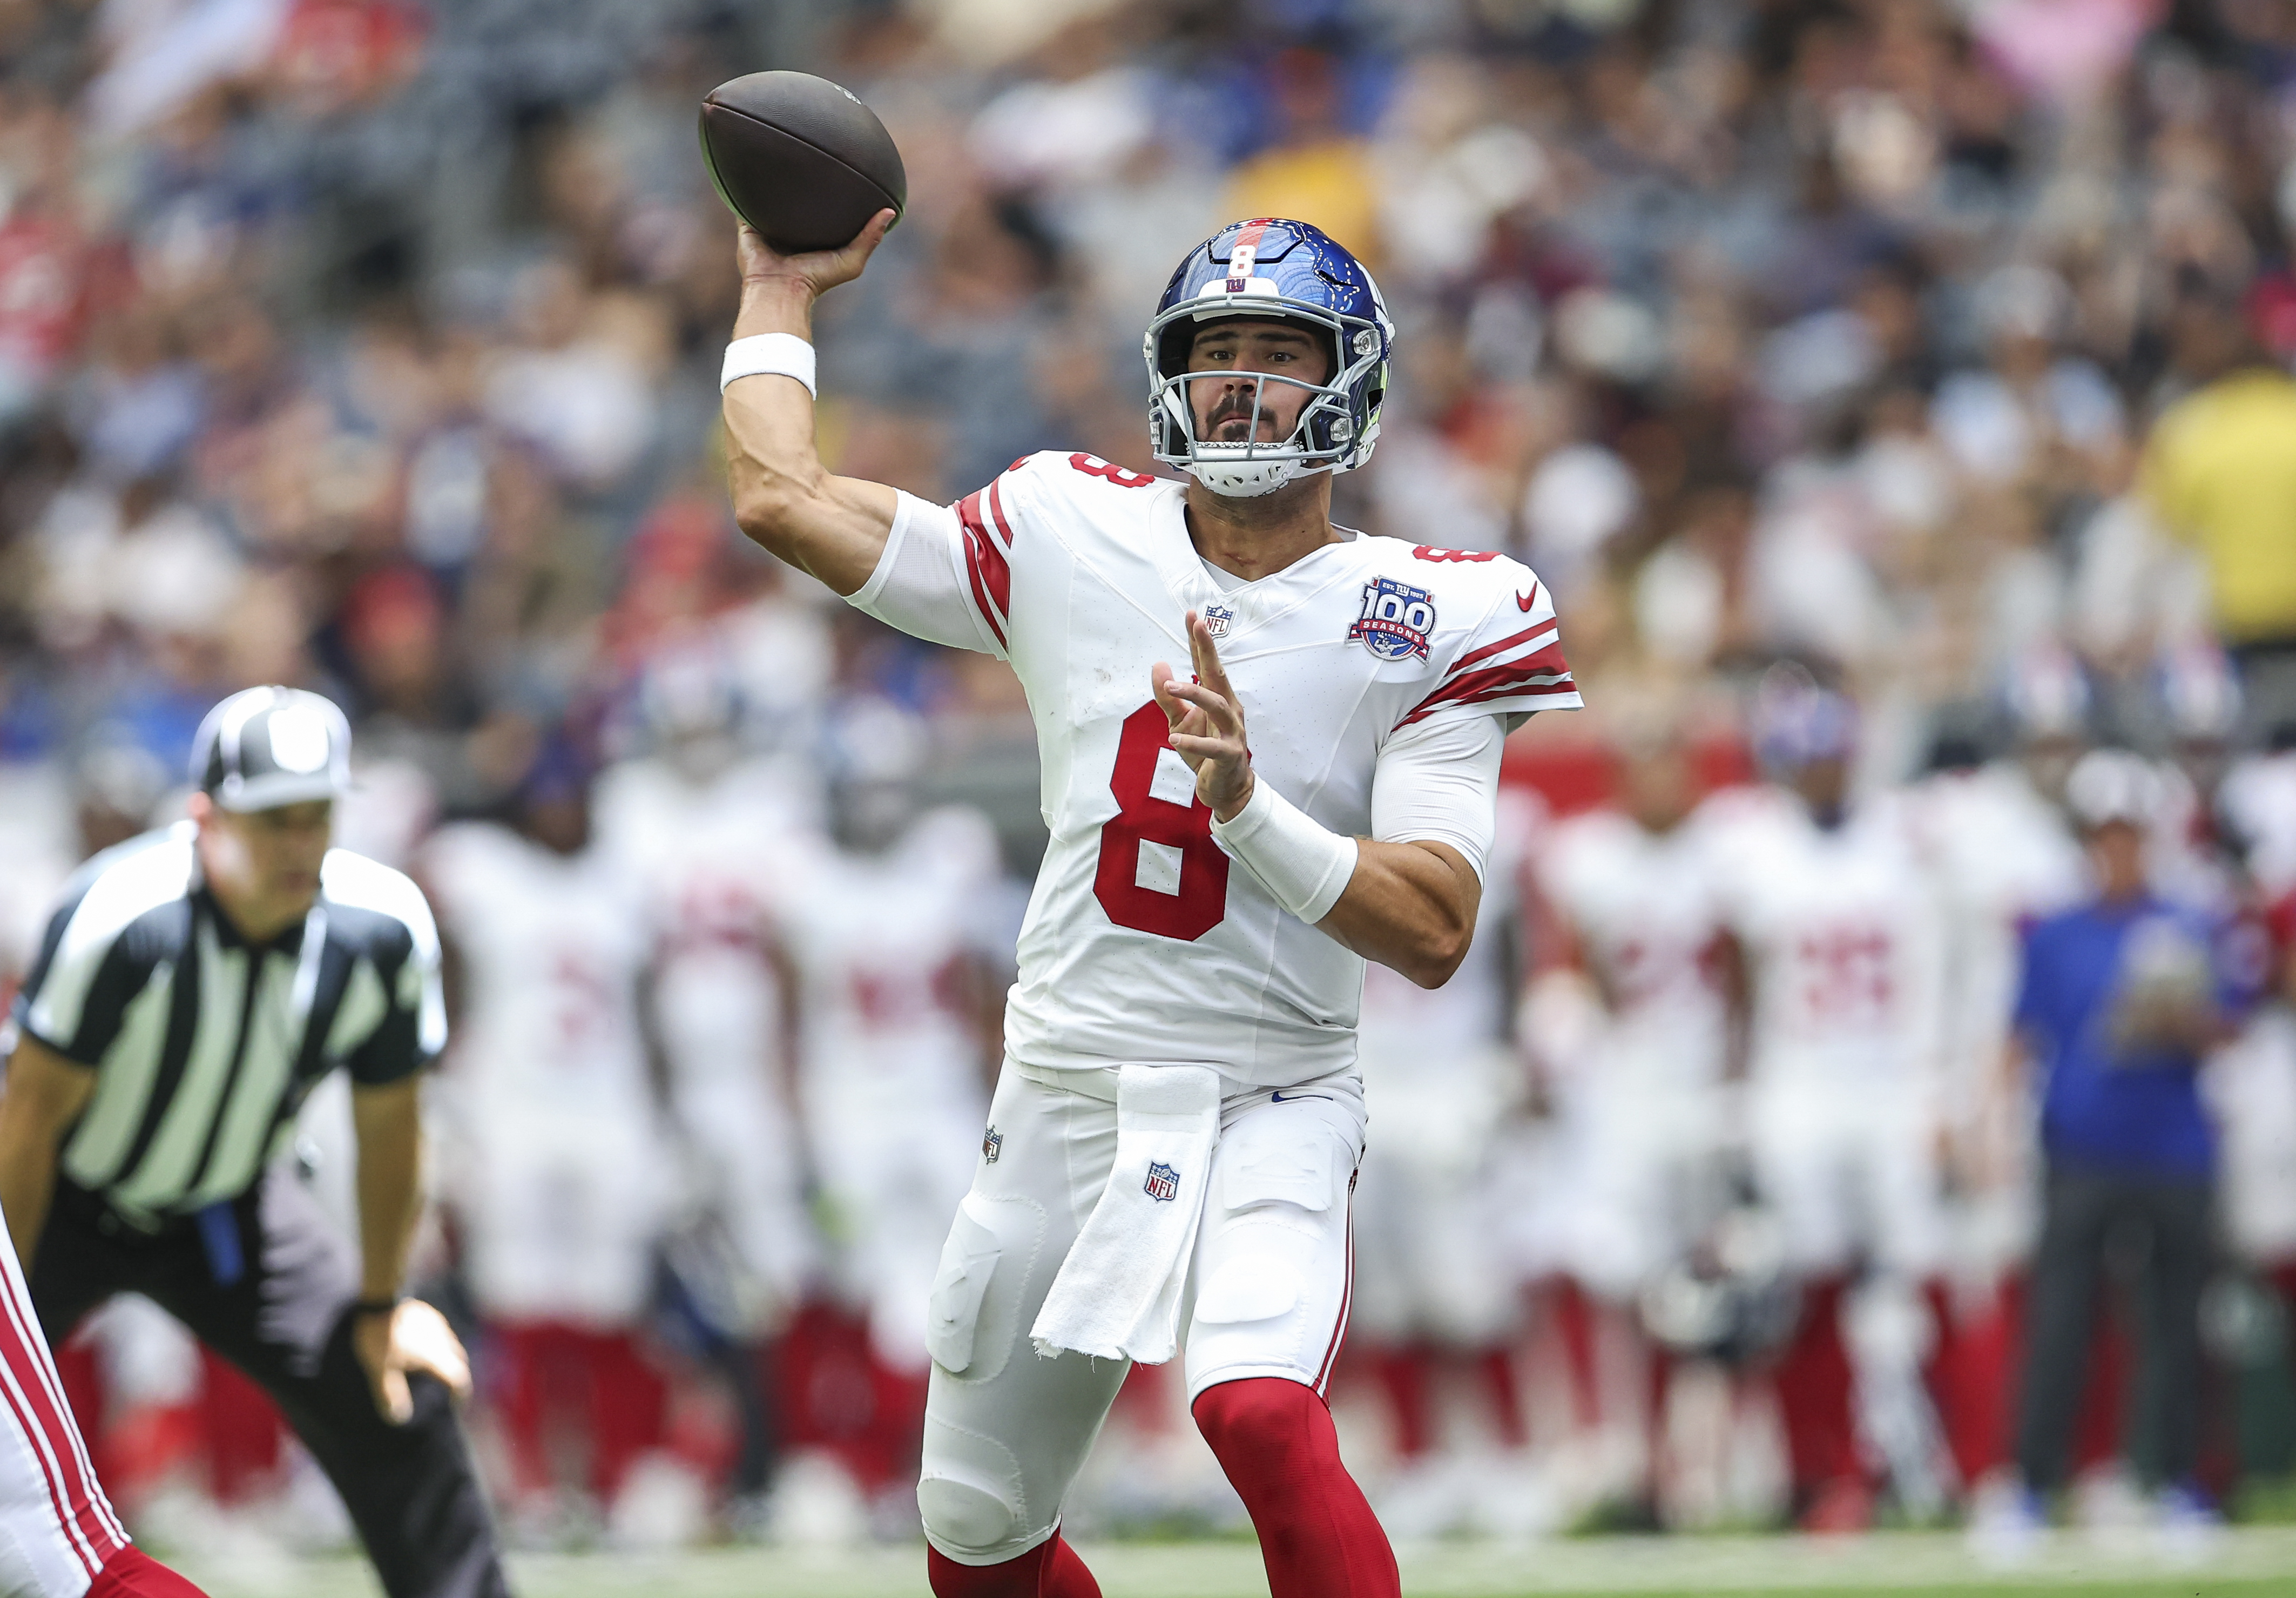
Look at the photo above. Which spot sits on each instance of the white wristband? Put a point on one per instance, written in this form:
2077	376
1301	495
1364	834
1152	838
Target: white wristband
769	354
1303	862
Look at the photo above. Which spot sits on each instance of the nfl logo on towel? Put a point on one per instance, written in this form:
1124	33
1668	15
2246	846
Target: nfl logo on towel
1163	1183
1396	620
992	1144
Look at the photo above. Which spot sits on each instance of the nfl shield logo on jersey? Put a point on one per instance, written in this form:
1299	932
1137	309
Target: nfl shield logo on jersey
1396	620
992	1144
1163	1183
1218	620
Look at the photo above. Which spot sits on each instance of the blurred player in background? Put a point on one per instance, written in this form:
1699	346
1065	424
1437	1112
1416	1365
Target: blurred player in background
886	929
1626	989
559	1184
1435	1297
1835	939
705	836
2002	854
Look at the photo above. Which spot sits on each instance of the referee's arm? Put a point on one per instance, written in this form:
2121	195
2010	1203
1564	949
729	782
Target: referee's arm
389	1121
43	1095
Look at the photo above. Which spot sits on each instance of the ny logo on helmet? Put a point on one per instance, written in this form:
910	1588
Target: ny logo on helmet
1396	620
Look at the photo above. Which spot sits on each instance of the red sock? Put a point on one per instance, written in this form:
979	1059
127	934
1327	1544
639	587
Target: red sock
1814	1393
1275	1440
1574	1320
1496	1368
1050	1569
629	1408
131	1573
1402	1369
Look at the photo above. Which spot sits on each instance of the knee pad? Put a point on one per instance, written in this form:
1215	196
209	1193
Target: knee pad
969	1495
963	1516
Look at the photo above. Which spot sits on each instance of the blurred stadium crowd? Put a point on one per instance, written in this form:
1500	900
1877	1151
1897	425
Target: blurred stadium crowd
1932	355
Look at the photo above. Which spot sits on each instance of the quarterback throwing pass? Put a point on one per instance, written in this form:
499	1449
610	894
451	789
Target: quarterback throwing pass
1174	1137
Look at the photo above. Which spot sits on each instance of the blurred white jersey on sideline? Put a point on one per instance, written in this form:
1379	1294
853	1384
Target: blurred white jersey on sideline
705	856
1842	937
1844	933
1637	1067
560	1180
1441	1086
2003	855
890	951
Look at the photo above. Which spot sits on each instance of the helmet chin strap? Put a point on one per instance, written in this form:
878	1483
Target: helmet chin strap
1251	479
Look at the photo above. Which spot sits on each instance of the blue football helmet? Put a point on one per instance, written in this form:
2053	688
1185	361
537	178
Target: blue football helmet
1272	270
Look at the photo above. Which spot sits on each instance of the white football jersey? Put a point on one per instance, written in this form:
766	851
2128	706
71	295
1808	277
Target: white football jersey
891	1031
2002	854
1641	908
1143	941
550	953
1842	933
705	862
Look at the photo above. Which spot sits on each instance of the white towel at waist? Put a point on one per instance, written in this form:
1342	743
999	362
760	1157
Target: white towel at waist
1118	1294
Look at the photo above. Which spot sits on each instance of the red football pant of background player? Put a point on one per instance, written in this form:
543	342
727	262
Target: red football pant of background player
1275	1440
596	1379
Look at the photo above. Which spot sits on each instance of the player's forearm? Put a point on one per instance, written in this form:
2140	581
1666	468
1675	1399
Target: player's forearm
784	498
389	1121
1410	907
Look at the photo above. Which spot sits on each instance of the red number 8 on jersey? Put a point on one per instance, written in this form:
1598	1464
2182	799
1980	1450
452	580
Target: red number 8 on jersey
1141	818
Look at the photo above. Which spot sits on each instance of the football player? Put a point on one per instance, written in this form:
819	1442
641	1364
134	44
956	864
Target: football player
1433	1286
560	1185
2001	854
702	834
1834	938
1177	1128
1630	924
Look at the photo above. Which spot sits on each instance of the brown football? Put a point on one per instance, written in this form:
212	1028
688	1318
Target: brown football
800	159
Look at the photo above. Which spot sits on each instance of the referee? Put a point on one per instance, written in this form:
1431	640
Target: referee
194	984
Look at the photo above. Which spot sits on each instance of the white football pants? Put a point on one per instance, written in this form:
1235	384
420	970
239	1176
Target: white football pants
1006	1428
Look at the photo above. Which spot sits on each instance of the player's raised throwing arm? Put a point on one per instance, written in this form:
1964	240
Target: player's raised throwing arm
834	528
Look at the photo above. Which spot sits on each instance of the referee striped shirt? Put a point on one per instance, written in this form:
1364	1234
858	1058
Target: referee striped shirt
205	1046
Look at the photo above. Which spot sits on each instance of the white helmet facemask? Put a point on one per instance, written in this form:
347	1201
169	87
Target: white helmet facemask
1252	467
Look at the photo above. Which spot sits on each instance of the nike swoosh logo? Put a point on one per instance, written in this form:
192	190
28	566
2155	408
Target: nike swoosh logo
1525	600
1294	1098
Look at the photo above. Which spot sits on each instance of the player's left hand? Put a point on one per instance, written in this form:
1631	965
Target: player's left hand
412	1337
1207	721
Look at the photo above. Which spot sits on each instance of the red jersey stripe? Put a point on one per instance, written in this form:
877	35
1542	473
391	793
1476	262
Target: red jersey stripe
36	1428
1527	635
1347	1296
1541	669
1561	688
91	1520
997	510
985	564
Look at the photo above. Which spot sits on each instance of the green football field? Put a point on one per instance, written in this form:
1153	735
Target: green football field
1907	1565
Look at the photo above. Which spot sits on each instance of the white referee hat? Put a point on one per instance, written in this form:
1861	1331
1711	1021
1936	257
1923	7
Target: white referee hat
267	747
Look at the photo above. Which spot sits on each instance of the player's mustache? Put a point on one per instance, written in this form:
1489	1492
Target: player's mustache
1234	404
